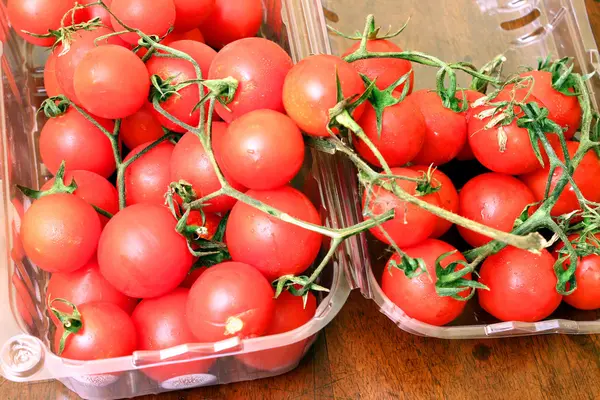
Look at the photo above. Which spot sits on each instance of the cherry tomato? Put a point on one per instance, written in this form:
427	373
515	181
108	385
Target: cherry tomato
411	224
309	91
417	296
211	223
466	153
153	17
99	12
37	16
119	75
230	21
522	285
141	254
73	139
492	199
259	82
192	277
191	13
140	128
50	81
193	34
447	194
290	313
148	178
273	246
60	232
402	133
160	324
230	299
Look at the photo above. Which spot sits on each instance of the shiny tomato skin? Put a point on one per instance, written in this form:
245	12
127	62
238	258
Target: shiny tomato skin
148	178
417	296
411	224
50	80
141	254
230	299
99	12
191	13
153	17
259	82
140	128
60	232
232	20
522	285
492	199
309	91
402	136
466	153
193	34
73	139
37	16
274	247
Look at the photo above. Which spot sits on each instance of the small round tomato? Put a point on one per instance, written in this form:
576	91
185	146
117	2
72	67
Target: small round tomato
193	34
310	91
230	21
191	13
259	83
262	150
522	285
466	153
148	178
192	277
290	313
492	199
60	232
73	139
417	297
153	17
274	247
411	224
230	299
141	127
99	12
211	223
141	254
50	81
119	75
402	133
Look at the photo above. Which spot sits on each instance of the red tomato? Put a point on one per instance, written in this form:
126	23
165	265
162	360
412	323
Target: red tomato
402	134
60	232
140	128
262	150
153	17
466	153
492	199
73	139
193	34
119	75
192	277
141	254
230	299
232	20
148	178
190	163
309	91
417	296
447	194
274	247
585	178
290	313
191	13
259	82
385	70
37	16
50	81
160	324
522	285
107	332
411	224
211	223
94	189
99	12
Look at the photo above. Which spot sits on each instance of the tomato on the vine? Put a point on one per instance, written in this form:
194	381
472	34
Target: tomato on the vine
153	17
191	13
192	277
141	127
147	179
50	80
211	223
99	12
471	96
230	21
193	34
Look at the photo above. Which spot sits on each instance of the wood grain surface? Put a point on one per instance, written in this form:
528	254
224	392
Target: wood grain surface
363	355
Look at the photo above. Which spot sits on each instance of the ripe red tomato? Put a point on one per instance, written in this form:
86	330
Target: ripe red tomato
309	91
230	299
73	139
211	223
50	81
153	17
37	16
107	332
160	324
190	163
60	232
141	127
99	12
230	21
447	193
274	247
262	150
191	13
259	83
466	153
119	75
584	177
141	254
522	285
193	34
290	313
417	296
192	277
492	199
402	134
148	178
411	224
94	189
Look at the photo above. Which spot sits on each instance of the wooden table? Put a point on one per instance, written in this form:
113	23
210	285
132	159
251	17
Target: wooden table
363	355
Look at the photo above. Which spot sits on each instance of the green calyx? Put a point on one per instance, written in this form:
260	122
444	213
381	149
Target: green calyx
71	323
297	286
55	106
59	186
412	267
537	123
451	281
373	32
